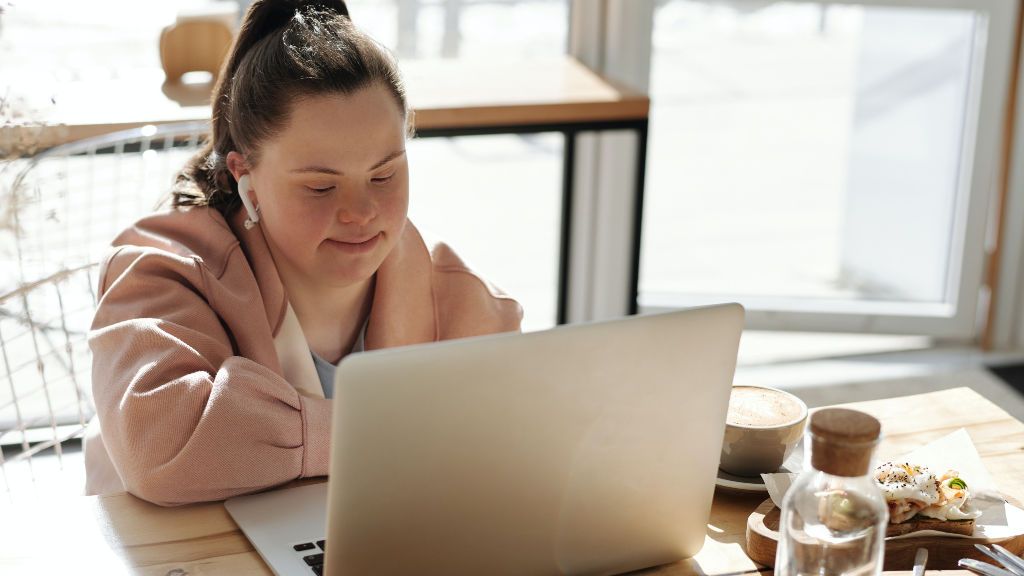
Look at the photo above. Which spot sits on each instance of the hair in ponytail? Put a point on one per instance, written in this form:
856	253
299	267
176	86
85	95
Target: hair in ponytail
285	50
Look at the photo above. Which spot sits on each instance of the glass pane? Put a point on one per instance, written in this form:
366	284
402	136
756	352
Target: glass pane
72	40
805	150
497	201
46	42
469	29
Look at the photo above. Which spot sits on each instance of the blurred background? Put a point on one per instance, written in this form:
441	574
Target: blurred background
847	171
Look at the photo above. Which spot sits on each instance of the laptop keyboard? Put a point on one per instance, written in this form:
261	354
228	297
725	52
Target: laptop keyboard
312	554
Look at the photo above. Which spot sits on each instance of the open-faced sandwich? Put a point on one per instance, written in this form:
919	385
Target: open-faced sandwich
919	501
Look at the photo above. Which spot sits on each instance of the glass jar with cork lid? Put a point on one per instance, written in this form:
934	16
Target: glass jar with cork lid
834	516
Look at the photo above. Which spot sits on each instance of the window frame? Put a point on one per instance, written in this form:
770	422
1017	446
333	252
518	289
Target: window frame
622	50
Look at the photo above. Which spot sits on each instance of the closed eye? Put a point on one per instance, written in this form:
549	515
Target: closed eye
382	179
320	190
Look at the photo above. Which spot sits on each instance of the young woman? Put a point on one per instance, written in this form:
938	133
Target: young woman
221	321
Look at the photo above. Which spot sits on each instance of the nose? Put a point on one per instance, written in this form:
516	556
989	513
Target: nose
356	208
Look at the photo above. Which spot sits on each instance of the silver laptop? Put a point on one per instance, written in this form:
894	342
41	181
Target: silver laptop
585	449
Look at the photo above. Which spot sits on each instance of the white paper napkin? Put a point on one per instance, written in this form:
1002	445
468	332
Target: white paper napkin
954	451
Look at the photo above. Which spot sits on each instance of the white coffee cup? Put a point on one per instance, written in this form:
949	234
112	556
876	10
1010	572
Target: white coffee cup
761	429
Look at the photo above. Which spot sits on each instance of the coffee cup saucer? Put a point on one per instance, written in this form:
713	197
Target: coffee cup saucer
794	464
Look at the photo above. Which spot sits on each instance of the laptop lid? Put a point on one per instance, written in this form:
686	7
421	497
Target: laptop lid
584	449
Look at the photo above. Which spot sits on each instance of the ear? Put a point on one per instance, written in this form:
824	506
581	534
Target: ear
238	167
236	164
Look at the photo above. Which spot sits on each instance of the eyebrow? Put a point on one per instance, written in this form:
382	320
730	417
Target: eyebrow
333	172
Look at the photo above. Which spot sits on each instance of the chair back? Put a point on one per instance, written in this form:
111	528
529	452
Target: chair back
57	220
194	46
45	391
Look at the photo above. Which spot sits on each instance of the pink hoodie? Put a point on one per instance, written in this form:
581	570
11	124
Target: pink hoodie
203	382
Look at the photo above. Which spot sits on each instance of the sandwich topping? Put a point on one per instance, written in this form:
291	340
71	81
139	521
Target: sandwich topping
911	490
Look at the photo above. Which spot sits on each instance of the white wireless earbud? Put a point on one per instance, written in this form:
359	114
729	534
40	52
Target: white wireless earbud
243	192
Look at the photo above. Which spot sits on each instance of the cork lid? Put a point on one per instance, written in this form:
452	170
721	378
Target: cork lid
842	441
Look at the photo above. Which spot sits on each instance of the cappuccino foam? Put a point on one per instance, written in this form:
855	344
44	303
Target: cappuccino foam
753	406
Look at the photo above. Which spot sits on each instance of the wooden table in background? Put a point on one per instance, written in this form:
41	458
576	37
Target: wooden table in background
449	98
445	94
122	534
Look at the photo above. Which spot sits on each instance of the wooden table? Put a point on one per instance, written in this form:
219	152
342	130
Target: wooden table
122	534
446	95
449	98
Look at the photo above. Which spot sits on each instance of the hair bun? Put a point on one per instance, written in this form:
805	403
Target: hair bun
337	6
264	16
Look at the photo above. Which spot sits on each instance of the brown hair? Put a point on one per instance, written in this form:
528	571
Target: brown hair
285	50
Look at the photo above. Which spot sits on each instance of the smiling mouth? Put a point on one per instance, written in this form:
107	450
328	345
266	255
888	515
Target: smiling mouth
356	242
355	246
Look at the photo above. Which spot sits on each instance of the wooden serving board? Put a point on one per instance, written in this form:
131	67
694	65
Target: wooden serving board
943	552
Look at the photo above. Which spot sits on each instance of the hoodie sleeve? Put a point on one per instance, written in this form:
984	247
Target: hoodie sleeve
183	418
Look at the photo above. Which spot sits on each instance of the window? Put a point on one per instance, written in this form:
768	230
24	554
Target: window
466	29
829	166
497	201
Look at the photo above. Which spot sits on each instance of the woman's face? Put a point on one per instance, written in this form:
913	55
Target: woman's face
333	186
